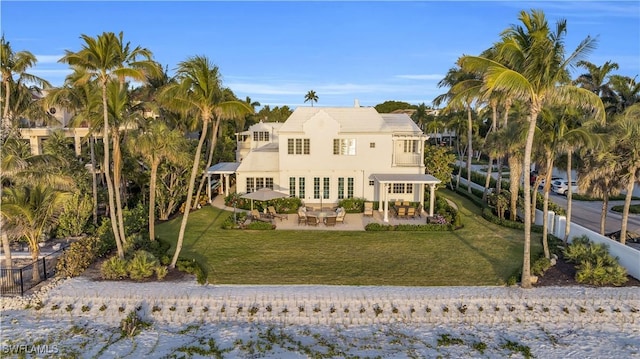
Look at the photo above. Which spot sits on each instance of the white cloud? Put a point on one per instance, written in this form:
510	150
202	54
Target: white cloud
48	59
436	77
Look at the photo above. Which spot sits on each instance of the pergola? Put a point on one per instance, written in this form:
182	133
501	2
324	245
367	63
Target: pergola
223	169
388	179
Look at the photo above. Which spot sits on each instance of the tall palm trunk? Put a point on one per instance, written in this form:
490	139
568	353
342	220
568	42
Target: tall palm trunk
192	181
469	146
214	142
514	185
603	212
526	262
567	227
94	182
117	183
545	206
107	173
35	253
152	199
487	181
6	247
7	97
499	181
627	204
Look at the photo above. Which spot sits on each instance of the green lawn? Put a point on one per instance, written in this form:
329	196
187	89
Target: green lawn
479	254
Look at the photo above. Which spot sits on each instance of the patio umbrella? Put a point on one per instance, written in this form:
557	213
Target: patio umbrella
264	194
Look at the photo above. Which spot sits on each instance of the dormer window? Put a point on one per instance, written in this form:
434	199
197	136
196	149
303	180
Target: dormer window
261	136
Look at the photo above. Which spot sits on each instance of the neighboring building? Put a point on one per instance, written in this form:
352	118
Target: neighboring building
325	154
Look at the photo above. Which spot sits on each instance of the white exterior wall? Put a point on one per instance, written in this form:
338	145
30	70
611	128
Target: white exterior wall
321	129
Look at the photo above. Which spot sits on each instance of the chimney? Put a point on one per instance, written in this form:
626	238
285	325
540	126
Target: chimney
356	103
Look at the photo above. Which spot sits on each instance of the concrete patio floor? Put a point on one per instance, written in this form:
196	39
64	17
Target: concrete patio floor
352	221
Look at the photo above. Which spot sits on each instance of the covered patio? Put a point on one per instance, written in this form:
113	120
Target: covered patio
224	170
385	180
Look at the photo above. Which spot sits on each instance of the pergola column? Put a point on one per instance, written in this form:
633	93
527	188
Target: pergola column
386	202
432	198
226	185
381	186
421	197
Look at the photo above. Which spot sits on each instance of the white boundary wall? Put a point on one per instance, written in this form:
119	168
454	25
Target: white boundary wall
628	257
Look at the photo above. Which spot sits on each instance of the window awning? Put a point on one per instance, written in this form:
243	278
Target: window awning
404	178
223	168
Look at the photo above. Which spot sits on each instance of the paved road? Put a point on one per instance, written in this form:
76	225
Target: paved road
587	214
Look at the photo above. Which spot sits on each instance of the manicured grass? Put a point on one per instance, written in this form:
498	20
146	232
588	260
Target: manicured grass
479	254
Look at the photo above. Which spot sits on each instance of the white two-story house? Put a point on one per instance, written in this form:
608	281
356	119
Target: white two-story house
325	154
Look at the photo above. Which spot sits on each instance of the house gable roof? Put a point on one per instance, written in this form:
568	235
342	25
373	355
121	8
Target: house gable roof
350	119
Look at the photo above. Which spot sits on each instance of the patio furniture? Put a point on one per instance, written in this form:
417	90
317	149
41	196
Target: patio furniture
405	203
302	216
340	214
419	211
274	214
411	212
402	212
255	215
330	221
368	208
312	220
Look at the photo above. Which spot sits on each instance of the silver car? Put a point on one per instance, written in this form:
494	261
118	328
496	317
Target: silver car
562	186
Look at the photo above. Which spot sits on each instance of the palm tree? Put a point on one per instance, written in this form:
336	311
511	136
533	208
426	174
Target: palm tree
311	97
464	89
30	212
627	131
571	134
196	94
84	102
16	63
101	58
601	176
533	67
154	145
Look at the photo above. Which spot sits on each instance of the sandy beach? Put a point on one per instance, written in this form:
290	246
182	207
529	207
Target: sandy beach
80	317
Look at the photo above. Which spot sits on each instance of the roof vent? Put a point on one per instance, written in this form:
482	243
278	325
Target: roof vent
356	103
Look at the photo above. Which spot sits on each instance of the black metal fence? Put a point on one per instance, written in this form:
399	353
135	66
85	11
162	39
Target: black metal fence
16	281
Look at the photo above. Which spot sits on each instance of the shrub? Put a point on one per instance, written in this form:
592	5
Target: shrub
260	225
75	215
136	220
487	214
228	223
132	325
161	272
142	265
285	205
595	265
191	266
81	253
352	205
540	266
408	227
635	208
114	268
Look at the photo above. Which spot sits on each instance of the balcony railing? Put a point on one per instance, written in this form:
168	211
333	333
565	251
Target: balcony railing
407	159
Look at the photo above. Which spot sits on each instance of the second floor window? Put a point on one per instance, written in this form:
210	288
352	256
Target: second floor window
261	136
411	146
344	146
298	146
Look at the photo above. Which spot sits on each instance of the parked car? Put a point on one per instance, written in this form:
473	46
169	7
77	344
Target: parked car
541	186
562	186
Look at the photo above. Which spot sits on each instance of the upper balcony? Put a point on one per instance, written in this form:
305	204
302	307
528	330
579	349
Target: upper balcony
407	159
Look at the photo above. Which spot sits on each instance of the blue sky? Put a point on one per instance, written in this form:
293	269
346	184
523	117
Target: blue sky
275	52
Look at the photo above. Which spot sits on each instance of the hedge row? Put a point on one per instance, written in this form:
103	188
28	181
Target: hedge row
487	214
409	227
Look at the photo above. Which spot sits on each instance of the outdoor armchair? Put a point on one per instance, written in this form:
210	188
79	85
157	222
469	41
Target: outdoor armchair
274	214
368	208
330	221
312	221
